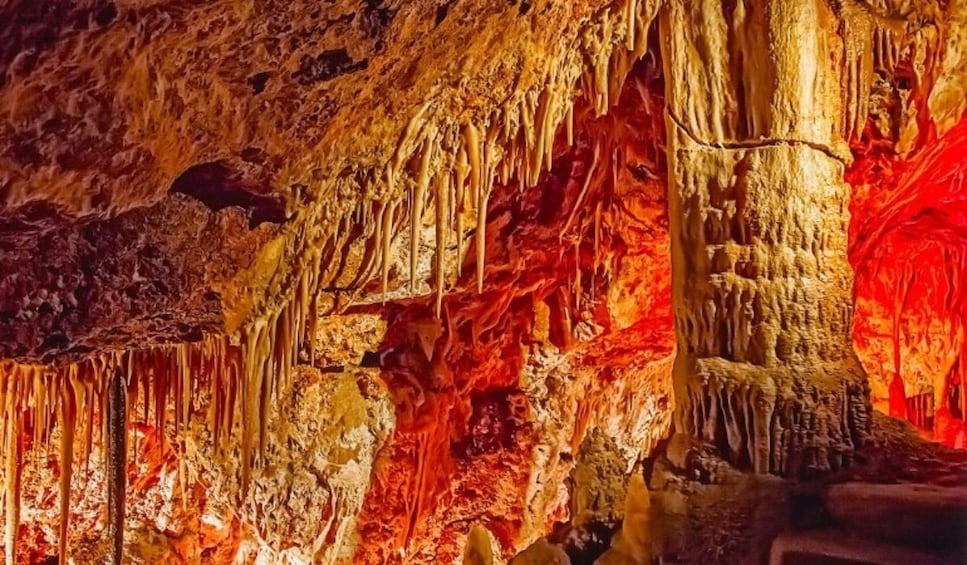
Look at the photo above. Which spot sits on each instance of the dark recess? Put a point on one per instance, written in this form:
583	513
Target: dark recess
441	13
217	187
327	65
370	359
106	15
258	82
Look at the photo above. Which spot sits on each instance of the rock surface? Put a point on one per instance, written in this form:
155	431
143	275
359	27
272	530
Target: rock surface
387	280
911	514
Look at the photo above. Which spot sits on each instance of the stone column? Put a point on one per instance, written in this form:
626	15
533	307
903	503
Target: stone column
761	285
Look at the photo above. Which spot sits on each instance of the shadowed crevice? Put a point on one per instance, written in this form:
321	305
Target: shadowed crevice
216	186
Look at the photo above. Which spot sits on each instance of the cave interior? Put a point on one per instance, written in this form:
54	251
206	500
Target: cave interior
479	282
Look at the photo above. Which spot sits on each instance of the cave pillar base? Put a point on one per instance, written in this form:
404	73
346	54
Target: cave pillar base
762	291
785	421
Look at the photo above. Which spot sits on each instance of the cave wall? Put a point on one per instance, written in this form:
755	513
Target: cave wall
907	247
906	243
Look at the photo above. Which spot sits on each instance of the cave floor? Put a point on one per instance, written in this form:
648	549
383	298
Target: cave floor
904	501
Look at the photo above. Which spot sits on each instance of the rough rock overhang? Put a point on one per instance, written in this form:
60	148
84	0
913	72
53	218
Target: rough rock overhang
315	122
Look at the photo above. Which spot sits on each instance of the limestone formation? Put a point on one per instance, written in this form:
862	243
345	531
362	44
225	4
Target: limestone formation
416	281
762	288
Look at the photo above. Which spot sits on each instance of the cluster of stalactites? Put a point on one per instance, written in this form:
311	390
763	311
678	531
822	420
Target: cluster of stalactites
871	42
447	172
92	402
455	166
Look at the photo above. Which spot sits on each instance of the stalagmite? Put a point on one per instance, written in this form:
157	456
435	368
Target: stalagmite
898	397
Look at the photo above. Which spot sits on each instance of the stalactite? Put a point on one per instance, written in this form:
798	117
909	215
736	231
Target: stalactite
857	32
443	192
578	288
116	460
264	374
389	210
596	230
514	142
89	401
542	153
870	41
588	178
419	198
889	37
66	455
458	202
475	157
37	396
372	232
744	415
313	327
12	455
569	124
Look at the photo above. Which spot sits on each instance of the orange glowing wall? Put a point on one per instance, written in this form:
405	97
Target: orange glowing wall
463	446
908	247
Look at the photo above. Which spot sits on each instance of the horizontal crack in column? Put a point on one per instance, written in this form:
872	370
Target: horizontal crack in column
757	143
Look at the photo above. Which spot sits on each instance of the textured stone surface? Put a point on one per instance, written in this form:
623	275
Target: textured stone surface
436	190
323	446
140	278
635	542
598	482
108	107
541	553
761	285
914	515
